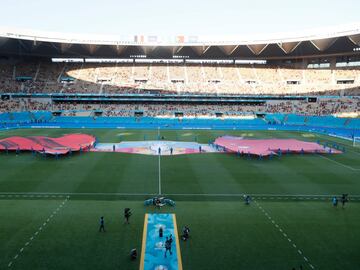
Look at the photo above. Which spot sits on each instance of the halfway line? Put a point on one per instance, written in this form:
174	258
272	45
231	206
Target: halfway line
159	175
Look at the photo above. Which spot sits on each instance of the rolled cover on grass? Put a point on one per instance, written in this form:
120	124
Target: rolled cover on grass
271	146
61	145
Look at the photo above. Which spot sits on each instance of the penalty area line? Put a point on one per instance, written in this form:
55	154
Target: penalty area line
339	163
34	235
274	223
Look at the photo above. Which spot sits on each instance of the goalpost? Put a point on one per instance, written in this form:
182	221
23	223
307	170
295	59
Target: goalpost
356	141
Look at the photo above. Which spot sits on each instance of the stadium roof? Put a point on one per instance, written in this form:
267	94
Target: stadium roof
339	40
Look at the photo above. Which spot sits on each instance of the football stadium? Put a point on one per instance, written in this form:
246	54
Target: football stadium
184	152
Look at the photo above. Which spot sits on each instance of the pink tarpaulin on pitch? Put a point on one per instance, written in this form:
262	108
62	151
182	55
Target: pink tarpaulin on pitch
270	146
61	145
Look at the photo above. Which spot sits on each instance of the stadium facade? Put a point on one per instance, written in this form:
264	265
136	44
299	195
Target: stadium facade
338	42
183	77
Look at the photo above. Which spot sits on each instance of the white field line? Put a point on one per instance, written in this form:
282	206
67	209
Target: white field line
291	242
339	163
63	194
34	235
159	175
272	196
345	145
269	195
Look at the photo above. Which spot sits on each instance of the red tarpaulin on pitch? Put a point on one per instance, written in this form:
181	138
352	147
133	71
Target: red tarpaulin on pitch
270	146
61	145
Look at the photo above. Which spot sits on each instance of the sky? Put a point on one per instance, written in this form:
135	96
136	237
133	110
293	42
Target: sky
184	17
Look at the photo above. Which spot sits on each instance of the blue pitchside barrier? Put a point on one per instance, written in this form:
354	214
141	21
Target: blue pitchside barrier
317	124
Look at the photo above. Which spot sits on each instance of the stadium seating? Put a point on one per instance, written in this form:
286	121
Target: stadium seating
334	99
324	106
46	77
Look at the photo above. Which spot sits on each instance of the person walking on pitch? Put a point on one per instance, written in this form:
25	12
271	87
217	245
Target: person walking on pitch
102	225
127	214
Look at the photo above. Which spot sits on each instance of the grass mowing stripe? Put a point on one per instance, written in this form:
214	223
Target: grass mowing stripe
207	186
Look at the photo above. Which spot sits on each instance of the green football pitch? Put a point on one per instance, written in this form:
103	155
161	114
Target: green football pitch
50	209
